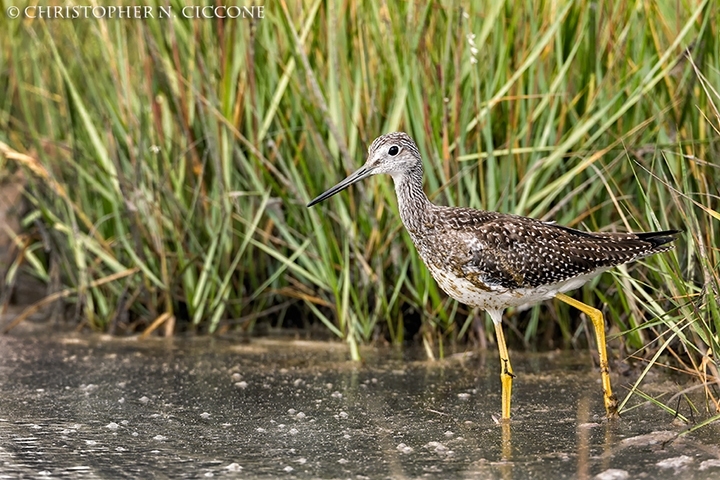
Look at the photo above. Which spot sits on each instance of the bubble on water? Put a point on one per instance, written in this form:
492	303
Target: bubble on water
613	474
437	447
711	463
404	448
589	425
677	463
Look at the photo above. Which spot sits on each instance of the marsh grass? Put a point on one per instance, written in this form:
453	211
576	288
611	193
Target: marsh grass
169	162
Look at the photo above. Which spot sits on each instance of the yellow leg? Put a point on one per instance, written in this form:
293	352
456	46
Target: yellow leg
598	321
506	373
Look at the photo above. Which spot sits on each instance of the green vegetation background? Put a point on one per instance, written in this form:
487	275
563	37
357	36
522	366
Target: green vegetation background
169	162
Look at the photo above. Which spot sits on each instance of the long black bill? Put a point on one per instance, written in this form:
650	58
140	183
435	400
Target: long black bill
364	172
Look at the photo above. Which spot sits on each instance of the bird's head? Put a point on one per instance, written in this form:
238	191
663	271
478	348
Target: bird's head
394	153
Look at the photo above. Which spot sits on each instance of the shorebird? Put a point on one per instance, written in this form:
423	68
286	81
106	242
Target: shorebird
495	260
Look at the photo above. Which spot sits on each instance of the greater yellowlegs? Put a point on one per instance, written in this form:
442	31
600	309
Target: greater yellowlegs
494	260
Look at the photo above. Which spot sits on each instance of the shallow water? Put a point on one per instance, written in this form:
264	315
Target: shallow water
102	407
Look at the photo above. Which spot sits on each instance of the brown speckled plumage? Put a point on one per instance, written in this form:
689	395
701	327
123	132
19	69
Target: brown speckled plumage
503	251
494	260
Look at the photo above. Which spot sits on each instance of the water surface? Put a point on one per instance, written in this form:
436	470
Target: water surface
102	407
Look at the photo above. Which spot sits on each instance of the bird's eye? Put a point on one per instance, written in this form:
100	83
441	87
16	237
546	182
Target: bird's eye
394	150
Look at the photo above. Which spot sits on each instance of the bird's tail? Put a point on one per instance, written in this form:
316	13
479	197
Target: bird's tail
658	239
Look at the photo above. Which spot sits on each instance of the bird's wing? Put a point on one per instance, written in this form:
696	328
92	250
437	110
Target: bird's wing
509	251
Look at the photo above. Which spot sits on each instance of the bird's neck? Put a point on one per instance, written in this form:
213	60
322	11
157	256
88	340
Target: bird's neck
412	201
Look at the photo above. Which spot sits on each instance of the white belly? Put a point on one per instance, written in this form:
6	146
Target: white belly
499	298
